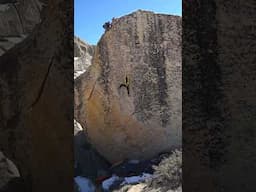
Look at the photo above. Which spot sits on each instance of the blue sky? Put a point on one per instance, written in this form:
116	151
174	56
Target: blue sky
90	15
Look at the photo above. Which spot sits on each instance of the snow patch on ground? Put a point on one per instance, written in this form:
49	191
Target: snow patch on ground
126	180
77	127
108	182
136	179
78	73
84	184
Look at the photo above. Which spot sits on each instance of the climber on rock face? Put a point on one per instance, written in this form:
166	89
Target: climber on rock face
126	84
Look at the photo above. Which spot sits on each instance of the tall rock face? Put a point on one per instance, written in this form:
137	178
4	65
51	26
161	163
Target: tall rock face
219	95
36	81
130	100
83	53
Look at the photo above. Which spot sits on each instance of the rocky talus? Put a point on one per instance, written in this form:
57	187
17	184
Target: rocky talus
129	99
8	170
83	53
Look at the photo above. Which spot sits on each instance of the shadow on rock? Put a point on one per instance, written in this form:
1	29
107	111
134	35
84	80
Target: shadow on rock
88	162
15	184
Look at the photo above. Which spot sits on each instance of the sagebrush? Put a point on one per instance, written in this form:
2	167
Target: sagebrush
169	171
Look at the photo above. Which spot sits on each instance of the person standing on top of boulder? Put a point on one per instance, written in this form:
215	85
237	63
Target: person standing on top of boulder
107	26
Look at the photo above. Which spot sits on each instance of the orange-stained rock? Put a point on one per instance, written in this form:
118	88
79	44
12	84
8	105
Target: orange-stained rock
145	48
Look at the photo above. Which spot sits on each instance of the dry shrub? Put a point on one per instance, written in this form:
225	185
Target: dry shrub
168	172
